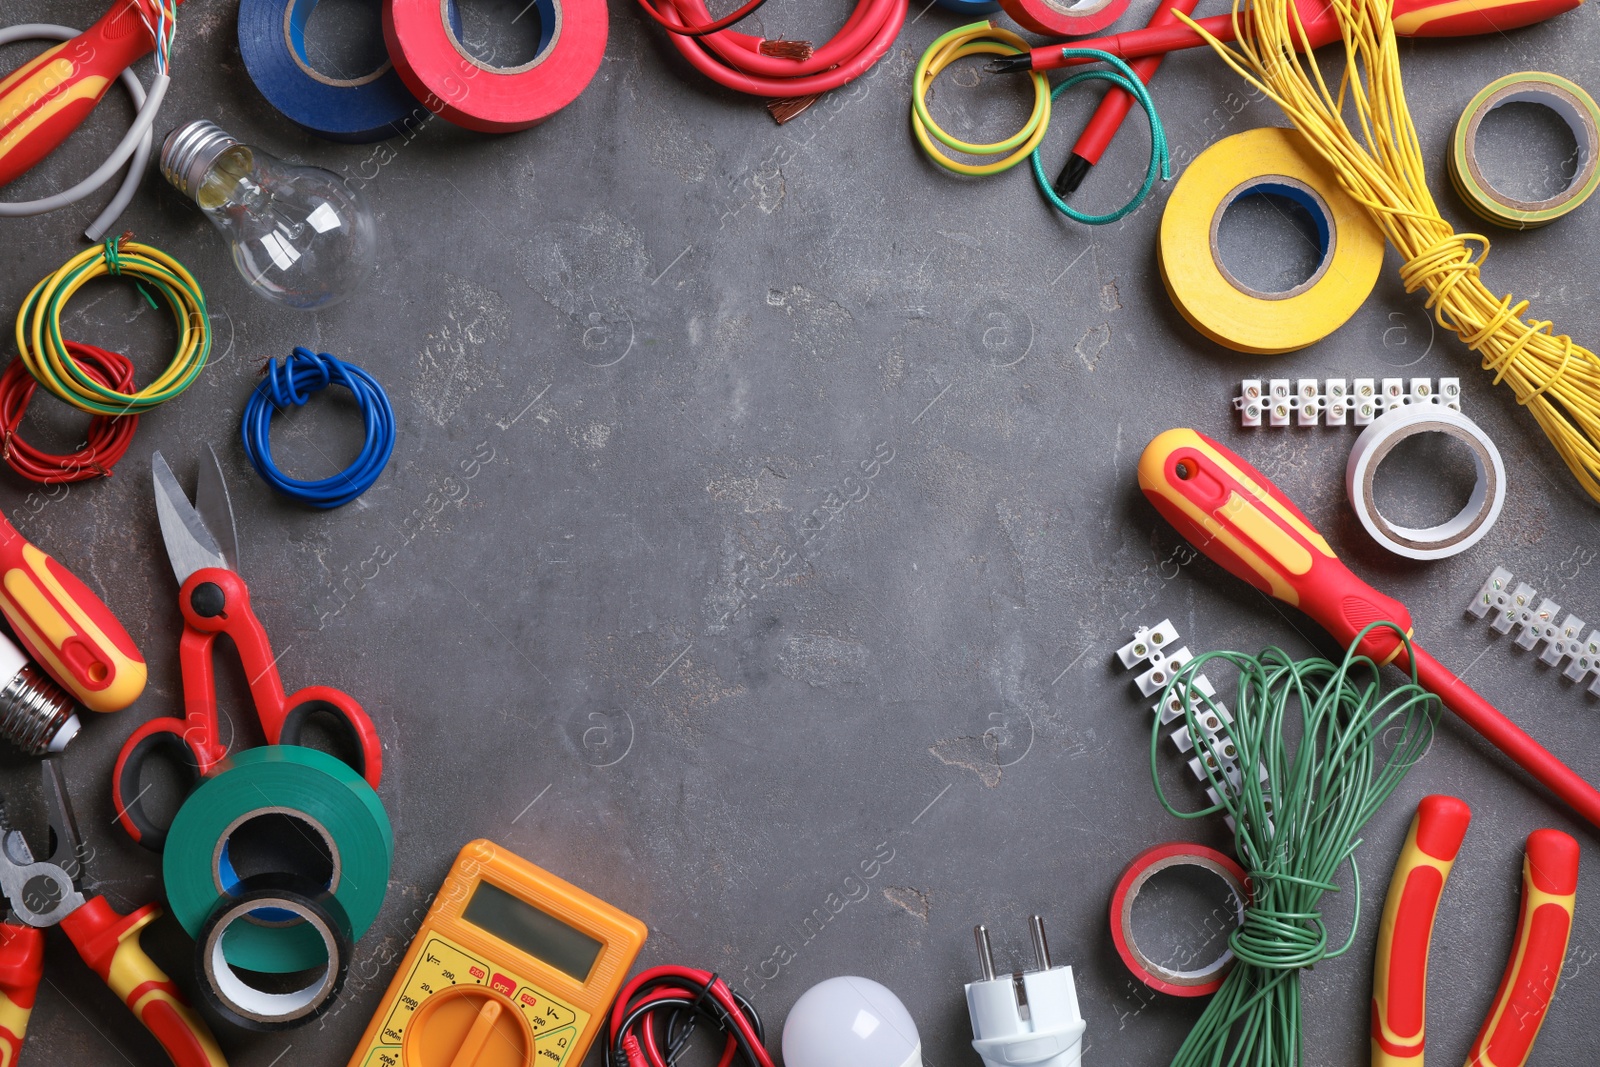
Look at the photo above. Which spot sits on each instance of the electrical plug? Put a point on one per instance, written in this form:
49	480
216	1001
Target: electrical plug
1029	1018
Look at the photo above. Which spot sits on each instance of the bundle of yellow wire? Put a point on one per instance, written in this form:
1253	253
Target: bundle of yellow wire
1555	379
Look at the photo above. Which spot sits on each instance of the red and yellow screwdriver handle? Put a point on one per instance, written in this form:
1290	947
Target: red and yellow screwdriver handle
21	967
1468	18
109	944
66	628
1233	514
45	99
1400	969
1544	926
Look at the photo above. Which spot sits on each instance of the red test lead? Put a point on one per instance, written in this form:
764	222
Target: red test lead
1412	18
1114	107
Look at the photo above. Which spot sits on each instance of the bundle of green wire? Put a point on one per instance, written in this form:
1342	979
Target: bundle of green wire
1334	746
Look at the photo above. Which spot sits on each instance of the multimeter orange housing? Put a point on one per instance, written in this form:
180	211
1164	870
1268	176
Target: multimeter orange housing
537	946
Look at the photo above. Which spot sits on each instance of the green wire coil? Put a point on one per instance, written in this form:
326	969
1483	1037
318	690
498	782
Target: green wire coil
1351	745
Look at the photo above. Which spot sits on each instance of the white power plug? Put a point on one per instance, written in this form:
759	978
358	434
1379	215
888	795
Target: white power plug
1029	1018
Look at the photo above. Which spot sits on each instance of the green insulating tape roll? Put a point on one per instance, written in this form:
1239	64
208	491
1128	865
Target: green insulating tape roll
1575	107
308	785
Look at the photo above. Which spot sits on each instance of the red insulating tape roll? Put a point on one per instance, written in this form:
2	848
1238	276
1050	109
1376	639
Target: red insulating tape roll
455	85
1063	18
1199	982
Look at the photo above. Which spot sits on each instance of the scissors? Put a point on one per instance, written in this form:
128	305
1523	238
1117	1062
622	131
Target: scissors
215	600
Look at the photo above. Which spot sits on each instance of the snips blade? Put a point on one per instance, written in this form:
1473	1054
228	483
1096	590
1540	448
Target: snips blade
215	506
190	545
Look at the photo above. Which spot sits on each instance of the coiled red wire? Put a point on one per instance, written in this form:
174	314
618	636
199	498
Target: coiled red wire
108	436
683	996
783	70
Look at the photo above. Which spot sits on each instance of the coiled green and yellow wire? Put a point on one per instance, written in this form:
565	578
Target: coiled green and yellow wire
44	350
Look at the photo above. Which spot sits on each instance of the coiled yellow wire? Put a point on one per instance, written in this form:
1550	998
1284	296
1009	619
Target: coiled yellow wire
1553	377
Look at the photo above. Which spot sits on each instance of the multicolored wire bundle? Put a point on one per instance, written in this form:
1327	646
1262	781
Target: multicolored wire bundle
984	38
1295	826
1555	378
657	1011
290	384
792	73
48	358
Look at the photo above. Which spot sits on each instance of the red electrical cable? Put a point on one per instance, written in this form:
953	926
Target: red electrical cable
681	991
108	436
709	27
783	70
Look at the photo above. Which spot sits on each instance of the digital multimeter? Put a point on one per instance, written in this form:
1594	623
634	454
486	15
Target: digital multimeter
512	967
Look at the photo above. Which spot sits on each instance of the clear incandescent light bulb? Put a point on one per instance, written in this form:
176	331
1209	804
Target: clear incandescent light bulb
299	235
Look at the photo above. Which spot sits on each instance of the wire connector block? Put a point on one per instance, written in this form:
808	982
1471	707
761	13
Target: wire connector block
1520	608
1340	403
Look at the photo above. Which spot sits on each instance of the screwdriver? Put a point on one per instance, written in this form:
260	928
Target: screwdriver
66	628
1412	18
45	99
1231	512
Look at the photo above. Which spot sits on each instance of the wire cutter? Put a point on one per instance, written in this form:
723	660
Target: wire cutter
215	600
48	892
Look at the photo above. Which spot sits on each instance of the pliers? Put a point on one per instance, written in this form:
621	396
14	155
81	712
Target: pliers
48	892
1400	972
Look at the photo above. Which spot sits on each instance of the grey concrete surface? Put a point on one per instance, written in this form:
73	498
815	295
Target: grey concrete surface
606	611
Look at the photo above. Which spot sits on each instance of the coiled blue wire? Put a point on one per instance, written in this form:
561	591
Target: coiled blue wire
1160	161
292	383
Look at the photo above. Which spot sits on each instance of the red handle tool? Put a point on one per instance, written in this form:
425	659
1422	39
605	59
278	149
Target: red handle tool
21	967
1549	887
1400	970
1412	18
45	99
1231	512
66	628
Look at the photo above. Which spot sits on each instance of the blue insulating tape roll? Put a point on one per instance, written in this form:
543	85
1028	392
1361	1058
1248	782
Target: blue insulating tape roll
371	107
970	7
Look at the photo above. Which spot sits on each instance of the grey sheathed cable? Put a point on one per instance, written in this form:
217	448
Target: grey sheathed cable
136	143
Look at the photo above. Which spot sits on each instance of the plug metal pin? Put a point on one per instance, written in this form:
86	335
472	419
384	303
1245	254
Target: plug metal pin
980	933
1041	947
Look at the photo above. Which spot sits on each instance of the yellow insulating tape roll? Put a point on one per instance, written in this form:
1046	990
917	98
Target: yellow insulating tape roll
1275	161
1574	106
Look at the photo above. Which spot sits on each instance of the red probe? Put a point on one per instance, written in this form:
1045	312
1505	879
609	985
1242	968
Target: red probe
1231	512
1412	18
1114	107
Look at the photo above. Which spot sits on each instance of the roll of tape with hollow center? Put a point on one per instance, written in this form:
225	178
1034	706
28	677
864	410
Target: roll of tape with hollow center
1179	982
1064	18
1267	161
1454	535
242	1004
319	792
1574	106
362	107
453	82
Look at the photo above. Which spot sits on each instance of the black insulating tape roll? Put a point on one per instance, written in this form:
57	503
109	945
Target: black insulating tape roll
293	1000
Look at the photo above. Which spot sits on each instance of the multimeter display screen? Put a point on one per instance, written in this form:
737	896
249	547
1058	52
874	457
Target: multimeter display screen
518	923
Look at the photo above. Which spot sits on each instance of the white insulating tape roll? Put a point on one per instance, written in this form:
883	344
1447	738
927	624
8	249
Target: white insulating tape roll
1452	536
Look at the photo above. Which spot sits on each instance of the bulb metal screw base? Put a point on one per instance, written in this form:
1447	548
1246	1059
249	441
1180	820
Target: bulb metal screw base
189	151
36	714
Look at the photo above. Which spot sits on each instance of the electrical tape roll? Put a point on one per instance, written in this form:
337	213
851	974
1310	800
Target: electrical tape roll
1276	161
1059	18
303	783
973	8
1198	982
453	83
368	107
230	997
1576	107
1453	536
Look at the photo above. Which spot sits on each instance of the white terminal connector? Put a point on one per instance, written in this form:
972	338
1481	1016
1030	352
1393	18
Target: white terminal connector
1509	607
1030	1018
1336	402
